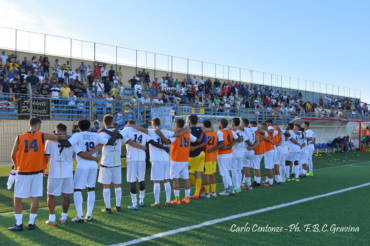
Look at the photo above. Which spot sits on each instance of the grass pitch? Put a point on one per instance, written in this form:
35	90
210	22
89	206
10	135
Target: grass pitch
335	171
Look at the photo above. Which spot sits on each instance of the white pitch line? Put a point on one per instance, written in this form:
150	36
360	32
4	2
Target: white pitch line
237	216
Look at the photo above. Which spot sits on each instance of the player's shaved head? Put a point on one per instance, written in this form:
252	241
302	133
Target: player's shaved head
207	124
236	121
253	123
34	121
180	123
245	121
61	128
193	119
224	123
156	122
108	120
268	122
84	125
131	122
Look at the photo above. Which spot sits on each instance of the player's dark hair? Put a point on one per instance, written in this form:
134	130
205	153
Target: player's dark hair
290	126
268	121
307	123
180	123
61	127
131	122
156	121
236	121
207	124
245	121
84	125
34	121
264	124
224	123
108	119
253	123
193	119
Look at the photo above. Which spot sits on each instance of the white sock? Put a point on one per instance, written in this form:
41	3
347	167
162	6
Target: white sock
257	179
287	172
118	193
90	202
235	178
157	192
106	197
310	165
167	187
134	199
271	181
244	179
64	215
141	195
176	193
77	197
296	171
32	219
18	219
249	181
304	171
187	192
226	185
277	178
52	217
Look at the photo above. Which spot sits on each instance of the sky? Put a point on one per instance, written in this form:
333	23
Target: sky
321	41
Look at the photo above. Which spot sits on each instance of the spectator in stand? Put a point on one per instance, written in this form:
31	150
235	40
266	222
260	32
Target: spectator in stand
65	91
55	91
138	88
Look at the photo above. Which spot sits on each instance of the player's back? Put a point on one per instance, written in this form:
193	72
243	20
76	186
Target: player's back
157	154
61	160
135	154
31	152
240	147
211	143
84	142
111	154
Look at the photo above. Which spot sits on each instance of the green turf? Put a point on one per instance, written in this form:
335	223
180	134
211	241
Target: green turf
333	175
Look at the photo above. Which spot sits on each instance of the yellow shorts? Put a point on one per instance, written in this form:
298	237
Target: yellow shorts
210	167
196	164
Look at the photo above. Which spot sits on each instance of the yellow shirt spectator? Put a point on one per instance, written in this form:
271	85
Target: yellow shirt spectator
65	91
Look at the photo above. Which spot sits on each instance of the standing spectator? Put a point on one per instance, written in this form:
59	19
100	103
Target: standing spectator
83	71
55	91
138	89
99	88
4	58
133	82
111	73
65	91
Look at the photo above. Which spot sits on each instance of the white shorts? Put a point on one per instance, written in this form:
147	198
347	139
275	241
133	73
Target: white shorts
224	165
293	156
85	176
249	156
257	162
283	155
179	170
110	175
57	186
277	153
269	159
160	170
135	171
27	186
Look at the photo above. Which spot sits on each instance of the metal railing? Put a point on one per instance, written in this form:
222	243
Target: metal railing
47	44
23	106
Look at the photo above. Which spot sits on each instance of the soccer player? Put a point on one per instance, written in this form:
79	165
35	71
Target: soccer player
311	140
284	151
160	159
250	129
276	139
110	166
28	157
294	152
226	139
197	156
86	170
179	166
60	177
269	152
239	152
210	164
136	164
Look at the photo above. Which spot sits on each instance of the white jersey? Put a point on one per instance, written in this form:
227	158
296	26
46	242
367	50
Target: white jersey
61	160
111	154
239	149
135	154
84	142
294	147
157	154
285	140
310	134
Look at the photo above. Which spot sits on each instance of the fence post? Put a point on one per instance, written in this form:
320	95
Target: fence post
16	41
30	95
187	69
44	44
240	75
155	65
136	61
51	108
94	53
70	54
116	59
171	66
215	71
